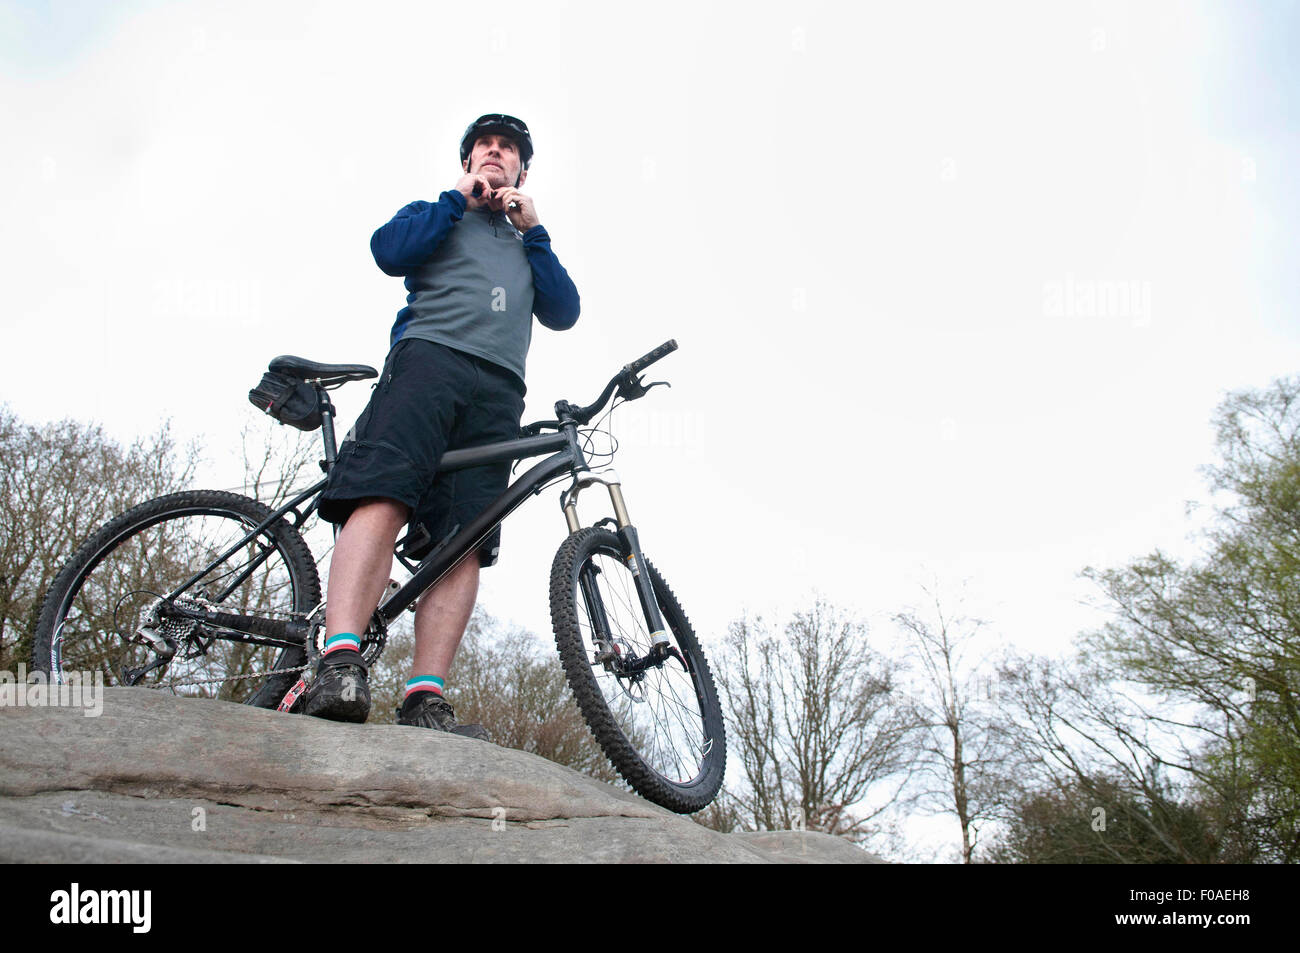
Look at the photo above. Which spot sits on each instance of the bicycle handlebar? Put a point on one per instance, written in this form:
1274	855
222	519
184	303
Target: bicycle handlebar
625	382
641	363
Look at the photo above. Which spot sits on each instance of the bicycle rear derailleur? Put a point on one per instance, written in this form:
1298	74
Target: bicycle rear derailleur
165	636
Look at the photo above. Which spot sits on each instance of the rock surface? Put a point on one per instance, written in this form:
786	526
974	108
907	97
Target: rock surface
157	778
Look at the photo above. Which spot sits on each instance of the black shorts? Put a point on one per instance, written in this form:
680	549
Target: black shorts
430	398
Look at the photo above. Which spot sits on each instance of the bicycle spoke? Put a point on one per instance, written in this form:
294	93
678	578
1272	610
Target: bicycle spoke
121	593
661	708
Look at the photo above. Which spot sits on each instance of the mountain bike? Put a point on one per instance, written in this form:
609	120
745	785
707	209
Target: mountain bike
210	593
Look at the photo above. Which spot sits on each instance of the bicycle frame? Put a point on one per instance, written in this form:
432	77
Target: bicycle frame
566	455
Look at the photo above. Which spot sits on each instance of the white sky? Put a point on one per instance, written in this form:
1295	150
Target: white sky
857	220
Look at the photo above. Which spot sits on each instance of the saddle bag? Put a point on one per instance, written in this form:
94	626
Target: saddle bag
289	401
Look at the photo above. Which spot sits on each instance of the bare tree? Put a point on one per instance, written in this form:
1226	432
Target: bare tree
964	757
1102	820
58	483
1189	695
816	720
278	461
723	815
1087	734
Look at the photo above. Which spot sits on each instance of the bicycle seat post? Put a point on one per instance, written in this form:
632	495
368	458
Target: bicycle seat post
327	423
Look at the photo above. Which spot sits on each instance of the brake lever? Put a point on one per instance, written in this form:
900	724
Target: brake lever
631	388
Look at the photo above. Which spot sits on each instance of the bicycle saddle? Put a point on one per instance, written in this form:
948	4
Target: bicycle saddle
306	370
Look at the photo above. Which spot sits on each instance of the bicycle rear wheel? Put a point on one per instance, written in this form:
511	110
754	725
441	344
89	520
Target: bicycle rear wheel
659	725
111	588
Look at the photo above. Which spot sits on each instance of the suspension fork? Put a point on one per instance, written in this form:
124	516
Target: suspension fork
631	552
596	610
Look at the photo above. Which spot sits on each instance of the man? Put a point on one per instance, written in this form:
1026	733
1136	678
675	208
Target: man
478	265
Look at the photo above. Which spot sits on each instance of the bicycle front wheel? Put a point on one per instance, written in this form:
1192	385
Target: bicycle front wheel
101	613
659	724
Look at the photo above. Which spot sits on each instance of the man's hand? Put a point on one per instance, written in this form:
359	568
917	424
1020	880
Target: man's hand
466	187
523	215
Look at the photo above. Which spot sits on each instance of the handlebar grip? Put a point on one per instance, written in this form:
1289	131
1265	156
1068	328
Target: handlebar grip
641	363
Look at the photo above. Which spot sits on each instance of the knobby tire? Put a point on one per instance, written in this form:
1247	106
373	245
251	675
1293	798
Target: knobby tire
670	746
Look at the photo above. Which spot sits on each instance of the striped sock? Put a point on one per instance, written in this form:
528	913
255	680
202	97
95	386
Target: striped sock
341	643
424	683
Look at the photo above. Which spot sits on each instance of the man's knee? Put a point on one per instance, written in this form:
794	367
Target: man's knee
379	511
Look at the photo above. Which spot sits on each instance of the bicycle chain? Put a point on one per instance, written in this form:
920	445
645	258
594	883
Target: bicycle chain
228	678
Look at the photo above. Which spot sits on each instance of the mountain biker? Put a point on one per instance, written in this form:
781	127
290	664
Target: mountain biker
478	266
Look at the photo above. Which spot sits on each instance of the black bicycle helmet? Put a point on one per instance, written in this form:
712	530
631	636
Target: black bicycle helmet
502	125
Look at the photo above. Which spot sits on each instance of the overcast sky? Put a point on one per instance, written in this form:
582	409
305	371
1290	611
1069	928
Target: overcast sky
957	286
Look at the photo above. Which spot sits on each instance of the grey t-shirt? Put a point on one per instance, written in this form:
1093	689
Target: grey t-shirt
474	293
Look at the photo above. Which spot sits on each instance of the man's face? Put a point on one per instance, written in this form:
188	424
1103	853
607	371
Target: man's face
496	158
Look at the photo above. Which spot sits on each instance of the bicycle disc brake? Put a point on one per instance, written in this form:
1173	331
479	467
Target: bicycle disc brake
628	668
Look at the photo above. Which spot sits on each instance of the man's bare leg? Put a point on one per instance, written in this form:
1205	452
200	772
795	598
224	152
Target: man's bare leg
361	565
363	557
440	619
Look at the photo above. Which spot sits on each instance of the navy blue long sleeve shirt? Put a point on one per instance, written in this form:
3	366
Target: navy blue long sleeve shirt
473	281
